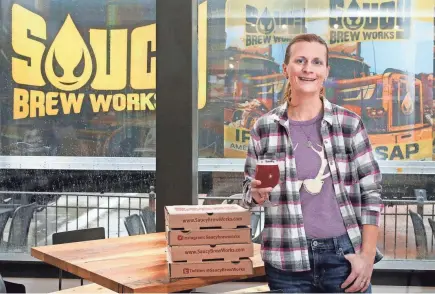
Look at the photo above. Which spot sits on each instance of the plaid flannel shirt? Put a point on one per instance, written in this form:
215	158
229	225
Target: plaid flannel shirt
355	175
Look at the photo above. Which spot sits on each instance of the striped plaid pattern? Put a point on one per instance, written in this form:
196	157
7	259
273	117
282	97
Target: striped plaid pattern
355	174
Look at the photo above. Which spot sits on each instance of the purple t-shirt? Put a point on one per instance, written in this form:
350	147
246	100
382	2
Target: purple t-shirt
322	217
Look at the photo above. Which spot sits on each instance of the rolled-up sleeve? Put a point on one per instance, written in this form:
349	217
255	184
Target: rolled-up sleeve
370	177
250	166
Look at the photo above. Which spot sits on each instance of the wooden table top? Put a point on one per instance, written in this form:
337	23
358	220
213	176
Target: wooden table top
128	264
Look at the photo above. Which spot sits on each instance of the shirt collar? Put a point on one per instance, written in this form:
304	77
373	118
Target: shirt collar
281	114
327	111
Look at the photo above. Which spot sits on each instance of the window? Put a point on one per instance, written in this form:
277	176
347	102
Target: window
91	75
77	103
380	68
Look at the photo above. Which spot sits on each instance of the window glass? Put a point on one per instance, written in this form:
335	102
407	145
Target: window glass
77	103
76	74
379	57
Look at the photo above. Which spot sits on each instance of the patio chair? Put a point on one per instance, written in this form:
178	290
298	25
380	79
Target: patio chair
19	229
2	285
255	221
4	217
432	226
134	226
77	236
257	240
420	235
149	219
9	287
233	199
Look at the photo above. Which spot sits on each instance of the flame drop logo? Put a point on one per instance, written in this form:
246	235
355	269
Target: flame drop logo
265	23
68	64
407	106
353	21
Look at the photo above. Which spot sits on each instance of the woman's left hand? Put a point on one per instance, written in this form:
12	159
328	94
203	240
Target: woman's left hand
361	274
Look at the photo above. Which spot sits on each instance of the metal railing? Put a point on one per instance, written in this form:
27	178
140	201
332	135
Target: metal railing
57	212
397	237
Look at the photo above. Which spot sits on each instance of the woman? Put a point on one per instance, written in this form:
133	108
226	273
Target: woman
321	223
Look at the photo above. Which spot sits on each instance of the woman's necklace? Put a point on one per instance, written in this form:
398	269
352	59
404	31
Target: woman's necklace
309	143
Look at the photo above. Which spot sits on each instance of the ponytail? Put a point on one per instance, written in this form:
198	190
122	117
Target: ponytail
287	93
322	92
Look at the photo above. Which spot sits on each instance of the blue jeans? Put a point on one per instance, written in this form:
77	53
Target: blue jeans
329	269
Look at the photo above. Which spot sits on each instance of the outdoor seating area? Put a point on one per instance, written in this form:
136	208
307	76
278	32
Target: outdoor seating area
18	217
23	226
421	239
142	222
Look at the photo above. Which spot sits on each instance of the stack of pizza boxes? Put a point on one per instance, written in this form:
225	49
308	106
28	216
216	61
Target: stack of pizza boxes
208	240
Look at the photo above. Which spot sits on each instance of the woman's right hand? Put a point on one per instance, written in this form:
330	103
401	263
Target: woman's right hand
259	194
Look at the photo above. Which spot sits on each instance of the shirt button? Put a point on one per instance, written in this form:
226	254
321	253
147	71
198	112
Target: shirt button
331	162
326	142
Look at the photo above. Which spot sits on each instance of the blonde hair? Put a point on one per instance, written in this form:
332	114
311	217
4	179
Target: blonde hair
302	38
